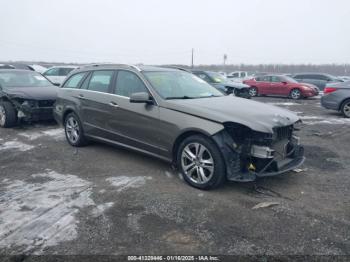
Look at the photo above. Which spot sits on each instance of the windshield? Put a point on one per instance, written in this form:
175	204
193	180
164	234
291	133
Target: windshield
23	79
288	79
180	85
218	78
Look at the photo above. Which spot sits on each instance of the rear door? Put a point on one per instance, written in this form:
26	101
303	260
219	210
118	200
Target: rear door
263	84
95	98
134	124
277	87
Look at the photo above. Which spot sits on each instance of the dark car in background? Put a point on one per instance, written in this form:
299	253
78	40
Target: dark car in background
223	84
337	97
175	116
16	66
280	85
318	79
25	95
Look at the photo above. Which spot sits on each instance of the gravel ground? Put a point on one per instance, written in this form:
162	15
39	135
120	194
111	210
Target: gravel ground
56	199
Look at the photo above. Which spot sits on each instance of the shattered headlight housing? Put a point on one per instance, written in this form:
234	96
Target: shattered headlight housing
298	125
29	103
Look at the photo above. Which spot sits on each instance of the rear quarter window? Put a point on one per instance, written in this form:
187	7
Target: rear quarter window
74	81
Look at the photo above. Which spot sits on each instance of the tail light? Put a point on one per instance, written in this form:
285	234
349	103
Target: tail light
329	90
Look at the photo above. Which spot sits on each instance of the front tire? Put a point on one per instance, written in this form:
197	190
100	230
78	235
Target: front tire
295	94
74	131
253	91
201	162
345	108
8	114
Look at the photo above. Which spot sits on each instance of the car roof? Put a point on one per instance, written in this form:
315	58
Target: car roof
142	68
17	70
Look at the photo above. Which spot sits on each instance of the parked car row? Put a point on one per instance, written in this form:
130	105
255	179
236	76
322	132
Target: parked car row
176	115
167	113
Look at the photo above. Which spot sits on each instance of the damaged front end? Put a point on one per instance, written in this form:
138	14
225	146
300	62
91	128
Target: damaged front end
250	154
32	110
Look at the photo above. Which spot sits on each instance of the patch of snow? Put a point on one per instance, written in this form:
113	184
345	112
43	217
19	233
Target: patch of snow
329	121
42	211
31	135
15	145
57	133
100	209
283	103
126	182
168	174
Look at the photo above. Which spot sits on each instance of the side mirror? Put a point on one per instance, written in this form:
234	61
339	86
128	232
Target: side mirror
284	82
141	97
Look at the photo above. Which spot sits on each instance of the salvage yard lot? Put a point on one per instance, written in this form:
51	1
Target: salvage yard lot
56	199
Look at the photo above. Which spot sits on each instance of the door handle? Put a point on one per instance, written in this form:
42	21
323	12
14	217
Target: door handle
81	96
114	104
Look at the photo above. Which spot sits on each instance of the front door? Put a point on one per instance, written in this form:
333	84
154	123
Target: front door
133	124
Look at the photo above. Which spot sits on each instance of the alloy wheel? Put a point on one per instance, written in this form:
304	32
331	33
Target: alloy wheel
295	94
2	116
253	91
72	130
197	163
346	109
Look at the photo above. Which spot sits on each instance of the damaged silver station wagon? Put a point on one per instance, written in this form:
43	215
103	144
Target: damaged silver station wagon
176	116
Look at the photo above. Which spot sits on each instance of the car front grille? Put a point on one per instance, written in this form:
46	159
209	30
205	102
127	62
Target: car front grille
46	103
284	132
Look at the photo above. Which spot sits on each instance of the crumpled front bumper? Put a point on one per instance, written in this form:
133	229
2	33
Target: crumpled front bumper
235	168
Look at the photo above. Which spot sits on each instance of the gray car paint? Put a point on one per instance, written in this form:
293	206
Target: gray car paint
335	99
154	128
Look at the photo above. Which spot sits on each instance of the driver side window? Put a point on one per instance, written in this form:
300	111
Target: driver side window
128	83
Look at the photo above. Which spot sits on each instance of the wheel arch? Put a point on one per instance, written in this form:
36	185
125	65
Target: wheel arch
183	136
342	103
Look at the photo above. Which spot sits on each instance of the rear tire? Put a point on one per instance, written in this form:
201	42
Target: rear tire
295	94
74	131
253	91
201	162
8	114
345	108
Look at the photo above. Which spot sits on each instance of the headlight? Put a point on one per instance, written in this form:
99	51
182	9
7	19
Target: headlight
306	87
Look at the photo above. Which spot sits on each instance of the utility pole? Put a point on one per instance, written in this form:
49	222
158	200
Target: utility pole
225	58
192	59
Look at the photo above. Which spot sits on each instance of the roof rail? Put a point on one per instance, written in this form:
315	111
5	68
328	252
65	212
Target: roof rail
106	64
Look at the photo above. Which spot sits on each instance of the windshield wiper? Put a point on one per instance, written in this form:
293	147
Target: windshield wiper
179	97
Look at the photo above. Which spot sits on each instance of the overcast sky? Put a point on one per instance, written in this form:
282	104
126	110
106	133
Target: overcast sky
164	31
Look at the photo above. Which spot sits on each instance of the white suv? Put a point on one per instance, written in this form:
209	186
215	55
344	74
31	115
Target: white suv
57	74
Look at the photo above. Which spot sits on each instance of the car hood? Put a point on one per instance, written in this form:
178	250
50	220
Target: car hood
33	93
255	115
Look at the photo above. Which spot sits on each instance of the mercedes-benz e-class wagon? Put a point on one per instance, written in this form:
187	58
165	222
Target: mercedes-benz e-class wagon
176	116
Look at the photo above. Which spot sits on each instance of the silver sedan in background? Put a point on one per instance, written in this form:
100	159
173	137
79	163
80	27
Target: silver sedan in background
337	97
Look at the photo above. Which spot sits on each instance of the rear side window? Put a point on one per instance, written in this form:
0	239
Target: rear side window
52	72
100	81
263	79
74	80
275	79
129	83
65	71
